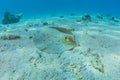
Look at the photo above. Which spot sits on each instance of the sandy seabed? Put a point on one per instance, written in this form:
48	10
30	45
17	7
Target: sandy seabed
96	55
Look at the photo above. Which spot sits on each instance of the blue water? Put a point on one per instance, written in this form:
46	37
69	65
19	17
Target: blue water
30	7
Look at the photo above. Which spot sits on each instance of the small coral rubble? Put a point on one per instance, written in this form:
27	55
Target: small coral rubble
86	17
9	37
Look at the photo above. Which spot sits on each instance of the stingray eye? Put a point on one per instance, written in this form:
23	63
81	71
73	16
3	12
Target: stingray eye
65	37
68	38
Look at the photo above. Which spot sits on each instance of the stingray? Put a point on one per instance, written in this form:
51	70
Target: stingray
53	41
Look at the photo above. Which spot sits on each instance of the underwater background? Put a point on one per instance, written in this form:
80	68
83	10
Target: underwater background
60	40
33	7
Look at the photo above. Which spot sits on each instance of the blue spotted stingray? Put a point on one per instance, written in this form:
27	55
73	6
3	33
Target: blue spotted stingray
53	41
